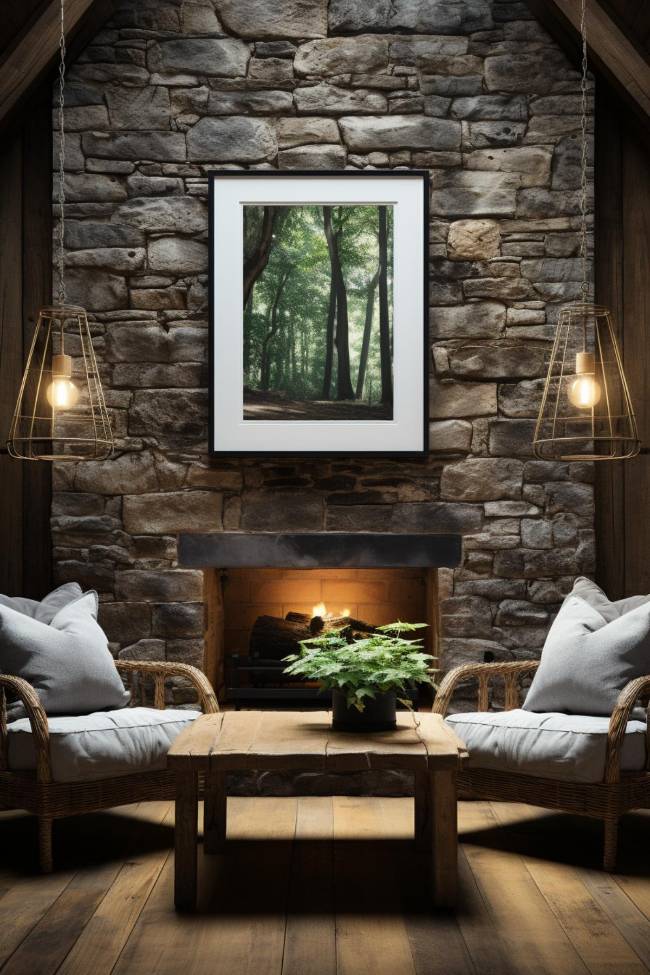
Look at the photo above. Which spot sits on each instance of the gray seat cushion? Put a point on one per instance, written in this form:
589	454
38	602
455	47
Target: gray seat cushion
571	747
45	609
101	745
587	661
67	662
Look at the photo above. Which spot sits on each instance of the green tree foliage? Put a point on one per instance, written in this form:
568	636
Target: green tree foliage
288	348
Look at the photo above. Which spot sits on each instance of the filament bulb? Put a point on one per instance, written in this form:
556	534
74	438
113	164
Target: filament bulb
62	394
584	391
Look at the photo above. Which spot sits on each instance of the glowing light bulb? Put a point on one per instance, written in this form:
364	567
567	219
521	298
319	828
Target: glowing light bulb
62	394
584	392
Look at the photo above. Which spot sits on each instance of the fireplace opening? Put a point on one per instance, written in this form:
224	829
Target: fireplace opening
264	613
370	578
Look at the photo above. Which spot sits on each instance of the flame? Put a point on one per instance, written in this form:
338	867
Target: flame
320	609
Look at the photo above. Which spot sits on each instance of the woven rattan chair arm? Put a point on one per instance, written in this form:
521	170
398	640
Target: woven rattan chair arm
510	671
618	724
37	720
162	671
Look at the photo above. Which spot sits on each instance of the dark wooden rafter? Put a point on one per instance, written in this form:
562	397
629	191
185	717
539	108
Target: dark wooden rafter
611	52
33	53
633	17
18	18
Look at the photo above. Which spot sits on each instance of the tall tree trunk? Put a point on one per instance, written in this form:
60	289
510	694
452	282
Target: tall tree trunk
303	352
259	258
367	328
329	342
265	377
275	325
292	346
343	381
284	361
248	324
278	361
264	354
384	327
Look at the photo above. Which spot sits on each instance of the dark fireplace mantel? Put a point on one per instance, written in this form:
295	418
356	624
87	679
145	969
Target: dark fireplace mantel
303	550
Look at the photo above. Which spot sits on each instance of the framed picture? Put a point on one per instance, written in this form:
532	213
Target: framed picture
318	312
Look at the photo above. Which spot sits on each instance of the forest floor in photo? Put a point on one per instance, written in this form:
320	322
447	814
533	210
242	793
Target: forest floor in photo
258	406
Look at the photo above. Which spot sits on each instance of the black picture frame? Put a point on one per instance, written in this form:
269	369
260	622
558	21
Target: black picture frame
416	174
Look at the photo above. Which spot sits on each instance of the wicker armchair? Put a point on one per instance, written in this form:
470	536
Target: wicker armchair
36	792
618	793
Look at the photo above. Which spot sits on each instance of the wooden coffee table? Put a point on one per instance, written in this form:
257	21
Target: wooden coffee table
303	740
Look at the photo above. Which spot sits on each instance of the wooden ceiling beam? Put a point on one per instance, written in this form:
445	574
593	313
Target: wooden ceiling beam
35	51
610	51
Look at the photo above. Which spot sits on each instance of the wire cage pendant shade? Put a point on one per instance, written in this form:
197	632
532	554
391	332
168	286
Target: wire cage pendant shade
586	411
60	411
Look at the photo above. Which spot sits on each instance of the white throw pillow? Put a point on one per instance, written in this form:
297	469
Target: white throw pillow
67	662
46	609
608	609
587	661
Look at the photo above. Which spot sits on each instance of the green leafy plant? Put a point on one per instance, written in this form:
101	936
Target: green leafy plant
384	661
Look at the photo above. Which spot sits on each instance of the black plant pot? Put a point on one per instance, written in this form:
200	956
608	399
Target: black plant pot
378	714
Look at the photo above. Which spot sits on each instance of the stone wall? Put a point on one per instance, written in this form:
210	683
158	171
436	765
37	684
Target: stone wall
473	90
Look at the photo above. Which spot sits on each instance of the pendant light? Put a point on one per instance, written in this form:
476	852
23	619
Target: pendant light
60	412
586	411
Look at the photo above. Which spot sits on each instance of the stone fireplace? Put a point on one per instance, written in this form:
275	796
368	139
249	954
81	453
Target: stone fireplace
503	248
371	577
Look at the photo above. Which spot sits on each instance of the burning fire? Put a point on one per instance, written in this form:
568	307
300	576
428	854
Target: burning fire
320	609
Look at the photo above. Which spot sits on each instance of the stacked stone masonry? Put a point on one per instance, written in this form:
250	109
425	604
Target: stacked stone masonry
474	91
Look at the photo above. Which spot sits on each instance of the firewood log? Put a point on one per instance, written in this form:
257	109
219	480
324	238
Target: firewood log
274	638
320	624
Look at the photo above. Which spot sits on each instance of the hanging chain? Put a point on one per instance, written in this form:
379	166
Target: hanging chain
583	158
61	179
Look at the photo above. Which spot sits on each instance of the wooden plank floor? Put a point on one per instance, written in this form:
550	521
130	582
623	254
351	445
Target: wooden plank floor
325	887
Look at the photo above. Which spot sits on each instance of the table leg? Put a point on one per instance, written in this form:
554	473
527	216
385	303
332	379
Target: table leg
185	840
214	812
422	804
444	837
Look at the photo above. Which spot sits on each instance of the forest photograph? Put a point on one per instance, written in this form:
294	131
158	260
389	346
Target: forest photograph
318	312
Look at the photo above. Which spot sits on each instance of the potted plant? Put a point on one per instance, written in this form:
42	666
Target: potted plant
366	676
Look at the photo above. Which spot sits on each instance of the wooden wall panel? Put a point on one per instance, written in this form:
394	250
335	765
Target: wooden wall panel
608	257
636	526
11	345
622	259
11	525
636	267
25	284
11	353
37	291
